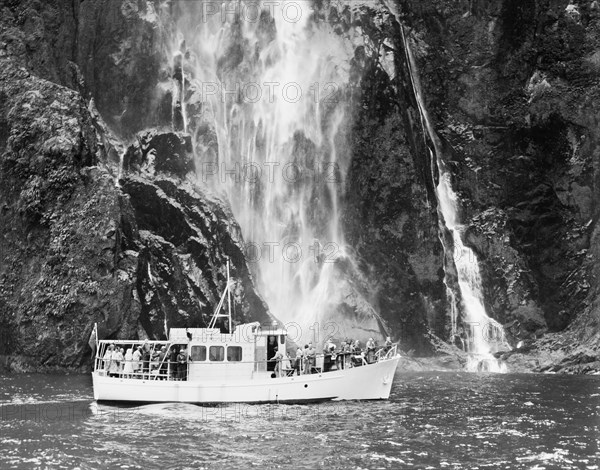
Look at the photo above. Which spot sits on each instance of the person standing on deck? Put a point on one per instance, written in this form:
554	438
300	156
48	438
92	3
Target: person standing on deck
370	350
128	367
277	358
121	360
305	360
298	361
146	358
286	363
162	361
174	370
108	358
182	364
115	362
137	361
312	357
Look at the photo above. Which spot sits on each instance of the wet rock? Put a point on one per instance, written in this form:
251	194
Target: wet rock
118	53
186	238
155	152
77	249
57	263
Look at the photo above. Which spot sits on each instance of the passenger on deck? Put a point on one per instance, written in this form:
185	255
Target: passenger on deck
182	364
108	358
298	361
305	360
173	362
312	355
278	357
340	360
162	361
356	349
137	360
115	362
286	363
370	350
146	358
128	367
388	344
122	366
155	362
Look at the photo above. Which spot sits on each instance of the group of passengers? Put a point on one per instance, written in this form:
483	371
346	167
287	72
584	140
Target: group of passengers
350	353
146	361
354	349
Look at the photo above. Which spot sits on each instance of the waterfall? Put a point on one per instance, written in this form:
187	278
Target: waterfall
260	86
483	333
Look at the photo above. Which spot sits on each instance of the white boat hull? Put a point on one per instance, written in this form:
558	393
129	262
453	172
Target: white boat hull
368	382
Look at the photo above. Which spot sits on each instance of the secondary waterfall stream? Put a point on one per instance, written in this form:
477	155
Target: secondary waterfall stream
260	86
483	334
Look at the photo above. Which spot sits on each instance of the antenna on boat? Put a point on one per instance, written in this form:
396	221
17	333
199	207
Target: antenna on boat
226	292
228	296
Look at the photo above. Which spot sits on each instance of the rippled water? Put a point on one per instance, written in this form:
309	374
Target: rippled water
432	420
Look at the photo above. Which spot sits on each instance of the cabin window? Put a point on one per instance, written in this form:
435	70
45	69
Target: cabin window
281	339
216	353
198	353
234	353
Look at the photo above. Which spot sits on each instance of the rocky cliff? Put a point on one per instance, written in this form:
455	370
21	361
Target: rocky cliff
87	237
512	88
102	220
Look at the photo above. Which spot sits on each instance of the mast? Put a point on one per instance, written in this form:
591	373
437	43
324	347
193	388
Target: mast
217	314
228	297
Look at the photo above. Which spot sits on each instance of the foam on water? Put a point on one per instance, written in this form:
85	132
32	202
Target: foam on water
432	420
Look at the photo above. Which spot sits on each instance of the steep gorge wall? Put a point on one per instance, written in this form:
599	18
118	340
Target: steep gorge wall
81	240
511	87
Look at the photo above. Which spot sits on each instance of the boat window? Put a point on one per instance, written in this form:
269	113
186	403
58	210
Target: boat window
234	353
216	353
281	339
198	353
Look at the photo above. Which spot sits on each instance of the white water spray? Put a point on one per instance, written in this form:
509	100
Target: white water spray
269	80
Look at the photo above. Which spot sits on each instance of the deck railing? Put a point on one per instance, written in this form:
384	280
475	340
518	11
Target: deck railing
173	370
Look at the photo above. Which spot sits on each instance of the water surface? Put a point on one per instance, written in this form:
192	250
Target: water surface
432	420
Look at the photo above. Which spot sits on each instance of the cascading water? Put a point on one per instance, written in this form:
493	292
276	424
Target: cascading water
484	334
269	80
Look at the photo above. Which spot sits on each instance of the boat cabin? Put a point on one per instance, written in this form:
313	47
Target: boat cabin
207	354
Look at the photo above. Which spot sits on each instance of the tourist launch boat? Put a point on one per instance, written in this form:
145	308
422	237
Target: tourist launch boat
203	365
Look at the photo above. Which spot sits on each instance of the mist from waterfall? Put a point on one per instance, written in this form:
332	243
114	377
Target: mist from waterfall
263	85
483	334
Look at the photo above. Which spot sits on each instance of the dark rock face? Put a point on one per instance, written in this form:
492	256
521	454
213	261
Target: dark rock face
185	238
512	87
391	216
60	252
77	248
160	152
119	56
42	37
